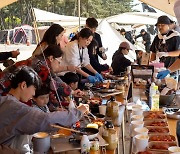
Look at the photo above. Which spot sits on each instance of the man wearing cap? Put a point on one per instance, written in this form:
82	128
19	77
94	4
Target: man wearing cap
167	40
119	61
146	39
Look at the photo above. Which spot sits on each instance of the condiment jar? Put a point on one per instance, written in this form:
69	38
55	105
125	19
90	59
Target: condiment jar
112	108
110	136
95	145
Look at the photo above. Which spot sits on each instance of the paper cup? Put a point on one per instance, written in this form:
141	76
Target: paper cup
102	109
141	142
137	106
137	111
143	131
136	124
174	150
137	117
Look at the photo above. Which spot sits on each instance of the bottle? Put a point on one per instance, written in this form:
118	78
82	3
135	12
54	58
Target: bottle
85	145
110	135
155	99
71	104
113	108
151	92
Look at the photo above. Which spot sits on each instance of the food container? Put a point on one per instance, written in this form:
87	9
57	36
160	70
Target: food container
150	152
41	142
150	115
166	100
111	137
160	146
158	130
164	138
112	109
158	123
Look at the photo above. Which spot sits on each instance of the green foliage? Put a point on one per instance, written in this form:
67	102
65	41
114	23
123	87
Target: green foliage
19	12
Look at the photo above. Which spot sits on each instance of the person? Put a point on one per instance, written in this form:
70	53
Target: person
95	48
127	35
92	24
52	36
174	26
119	61
168	40
18	119
4	58
41	99
146	39
6	55
174	67
76	53
139	54
46	65
71	79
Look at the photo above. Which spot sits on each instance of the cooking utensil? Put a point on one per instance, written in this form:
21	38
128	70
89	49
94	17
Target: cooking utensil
93	115
91	133
60	127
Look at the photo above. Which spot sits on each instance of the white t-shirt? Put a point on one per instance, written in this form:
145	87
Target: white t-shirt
72	55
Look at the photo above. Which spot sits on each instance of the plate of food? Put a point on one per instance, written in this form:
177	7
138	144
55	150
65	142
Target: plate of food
94	101
107	90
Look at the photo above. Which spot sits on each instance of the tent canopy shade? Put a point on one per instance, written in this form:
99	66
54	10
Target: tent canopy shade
163	5
136	18
4	3
45	16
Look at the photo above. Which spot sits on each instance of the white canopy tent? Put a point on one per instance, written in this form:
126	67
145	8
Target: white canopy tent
4	3
163	5
45	16
111	39
134	18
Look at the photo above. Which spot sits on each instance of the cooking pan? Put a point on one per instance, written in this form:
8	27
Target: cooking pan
90	132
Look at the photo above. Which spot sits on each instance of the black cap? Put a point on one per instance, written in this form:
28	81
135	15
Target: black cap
164	20
142	30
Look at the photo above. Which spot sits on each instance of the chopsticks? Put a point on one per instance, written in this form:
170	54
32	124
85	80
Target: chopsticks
60	127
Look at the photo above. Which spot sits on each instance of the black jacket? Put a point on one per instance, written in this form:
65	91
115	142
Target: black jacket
146	37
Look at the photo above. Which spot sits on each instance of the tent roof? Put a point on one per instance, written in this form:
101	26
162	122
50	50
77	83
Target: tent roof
163	5
136	18
4	3
111	39
45	16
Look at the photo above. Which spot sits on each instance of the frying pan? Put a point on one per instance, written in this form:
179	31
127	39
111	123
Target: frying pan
90	132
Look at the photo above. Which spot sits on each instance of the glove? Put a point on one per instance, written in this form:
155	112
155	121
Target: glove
163	74
99	76
162	54
92	79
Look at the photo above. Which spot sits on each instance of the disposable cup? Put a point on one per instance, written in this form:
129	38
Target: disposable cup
102	109
174	150
141	142
137	117
143	131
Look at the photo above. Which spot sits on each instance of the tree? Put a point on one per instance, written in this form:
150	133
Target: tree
93	8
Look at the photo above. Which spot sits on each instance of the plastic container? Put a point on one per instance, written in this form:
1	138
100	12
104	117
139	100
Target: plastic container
85	145
155	99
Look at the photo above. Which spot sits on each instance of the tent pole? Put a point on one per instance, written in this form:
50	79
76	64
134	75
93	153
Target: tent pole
79	13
